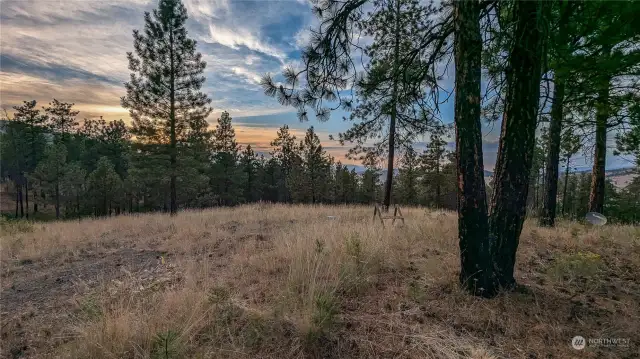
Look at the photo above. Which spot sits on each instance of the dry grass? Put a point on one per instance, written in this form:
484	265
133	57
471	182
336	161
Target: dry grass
284	281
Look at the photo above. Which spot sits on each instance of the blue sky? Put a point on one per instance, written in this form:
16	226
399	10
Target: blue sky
75	51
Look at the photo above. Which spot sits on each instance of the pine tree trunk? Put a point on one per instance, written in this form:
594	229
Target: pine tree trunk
438	190
596	197
548	215
26	195
17	199
21	203
57	200
172	121
476	271
564	191
517	140
394	111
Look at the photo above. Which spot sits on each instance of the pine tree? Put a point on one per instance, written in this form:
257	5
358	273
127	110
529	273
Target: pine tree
35	141
251	167
104	186
62	120
370	183
163	94
432	178
227	175
285	151
73	188
408	174
316	166
50	172
569	146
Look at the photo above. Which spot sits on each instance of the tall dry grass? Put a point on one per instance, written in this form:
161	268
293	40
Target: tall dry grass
286	281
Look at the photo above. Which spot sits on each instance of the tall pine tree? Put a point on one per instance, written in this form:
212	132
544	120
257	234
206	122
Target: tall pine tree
163	94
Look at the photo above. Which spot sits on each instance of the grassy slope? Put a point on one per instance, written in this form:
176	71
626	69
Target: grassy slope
286	282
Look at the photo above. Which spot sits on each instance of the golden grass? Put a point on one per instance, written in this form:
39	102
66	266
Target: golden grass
285	281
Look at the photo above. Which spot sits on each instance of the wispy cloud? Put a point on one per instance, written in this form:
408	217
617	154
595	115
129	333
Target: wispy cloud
234	38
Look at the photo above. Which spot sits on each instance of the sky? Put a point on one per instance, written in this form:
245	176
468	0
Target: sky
75	51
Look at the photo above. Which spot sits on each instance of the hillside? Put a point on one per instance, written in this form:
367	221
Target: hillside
275	281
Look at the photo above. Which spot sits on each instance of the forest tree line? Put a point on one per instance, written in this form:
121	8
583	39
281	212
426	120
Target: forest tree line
93	167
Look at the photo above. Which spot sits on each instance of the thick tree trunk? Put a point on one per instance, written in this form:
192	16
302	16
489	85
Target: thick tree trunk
394	112
476	270
564	191
548	215
596	197
517	138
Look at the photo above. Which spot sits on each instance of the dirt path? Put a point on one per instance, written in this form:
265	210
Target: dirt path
40	298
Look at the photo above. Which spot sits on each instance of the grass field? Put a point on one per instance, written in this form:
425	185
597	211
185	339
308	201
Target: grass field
274	281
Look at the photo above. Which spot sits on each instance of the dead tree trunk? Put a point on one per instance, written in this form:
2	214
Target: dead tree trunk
517	138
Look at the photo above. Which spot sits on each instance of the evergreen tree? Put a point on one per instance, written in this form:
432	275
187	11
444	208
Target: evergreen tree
569	146
50	172
432	179
370	182
408	175
13	147
34	141
251	167
285	151
226	176
316	166
62	120
104	185
163	94
73	189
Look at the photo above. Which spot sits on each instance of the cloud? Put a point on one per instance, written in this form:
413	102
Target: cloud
249	75
203	9
234	38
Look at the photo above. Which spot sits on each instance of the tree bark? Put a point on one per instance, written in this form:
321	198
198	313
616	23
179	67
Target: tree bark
26	196
172	121
21	203
476	271
596	197
548	215
17	199
57	200
564	192
394	112
517	138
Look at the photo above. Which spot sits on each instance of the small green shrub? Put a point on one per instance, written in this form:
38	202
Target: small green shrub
166	345
325	310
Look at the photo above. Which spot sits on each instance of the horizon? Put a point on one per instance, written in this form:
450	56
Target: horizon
45	56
